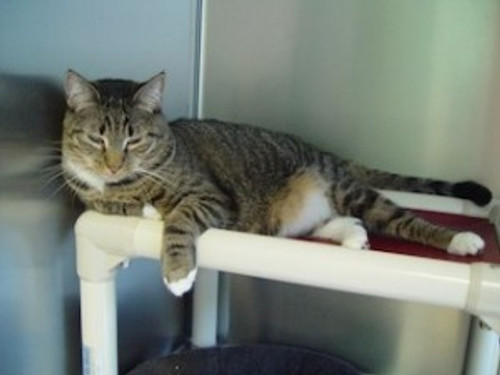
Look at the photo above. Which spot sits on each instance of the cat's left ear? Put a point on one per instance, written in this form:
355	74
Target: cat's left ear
149	95
80	93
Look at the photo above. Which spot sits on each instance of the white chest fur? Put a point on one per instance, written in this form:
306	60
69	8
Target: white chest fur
89	178
314	209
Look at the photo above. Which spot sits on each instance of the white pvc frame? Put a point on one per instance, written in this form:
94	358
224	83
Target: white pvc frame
104	242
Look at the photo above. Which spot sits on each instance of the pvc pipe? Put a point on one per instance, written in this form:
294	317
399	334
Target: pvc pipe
98	324
123	236
484	293
484	350
328	266
103	243
205	308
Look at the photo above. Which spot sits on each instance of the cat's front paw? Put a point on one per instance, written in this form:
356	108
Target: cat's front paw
179	273
466	243
150	212
182	285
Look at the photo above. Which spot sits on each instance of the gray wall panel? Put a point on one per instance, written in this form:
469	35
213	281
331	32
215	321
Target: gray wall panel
39	300
99	39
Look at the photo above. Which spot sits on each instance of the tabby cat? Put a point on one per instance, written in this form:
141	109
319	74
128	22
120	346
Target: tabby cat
121	156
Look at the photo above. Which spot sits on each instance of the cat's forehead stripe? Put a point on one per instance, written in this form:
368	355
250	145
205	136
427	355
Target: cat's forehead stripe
118	89
115	120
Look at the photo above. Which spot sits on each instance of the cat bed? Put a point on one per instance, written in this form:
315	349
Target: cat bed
480	226
247	360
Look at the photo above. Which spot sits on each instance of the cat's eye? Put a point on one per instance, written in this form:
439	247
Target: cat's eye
154	135
96	140
131	142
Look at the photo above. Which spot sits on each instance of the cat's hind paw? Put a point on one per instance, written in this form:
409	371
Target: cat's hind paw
349	231
357	241
181	286
466	243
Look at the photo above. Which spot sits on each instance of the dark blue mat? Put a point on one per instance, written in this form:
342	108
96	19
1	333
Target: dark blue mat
247	360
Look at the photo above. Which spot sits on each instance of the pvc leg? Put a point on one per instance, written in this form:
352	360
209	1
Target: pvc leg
99	336
205	308
484	350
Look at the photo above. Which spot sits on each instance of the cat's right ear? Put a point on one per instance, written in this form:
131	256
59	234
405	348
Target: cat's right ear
80	93
149	95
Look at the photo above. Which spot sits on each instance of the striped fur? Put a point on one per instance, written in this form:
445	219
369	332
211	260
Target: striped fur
119	154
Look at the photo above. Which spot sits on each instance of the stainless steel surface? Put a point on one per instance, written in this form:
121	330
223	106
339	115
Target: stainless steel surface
408	86
379	336
39	297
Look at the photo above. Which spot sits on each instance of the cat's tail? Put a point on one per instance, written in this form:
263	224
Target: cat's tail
470	190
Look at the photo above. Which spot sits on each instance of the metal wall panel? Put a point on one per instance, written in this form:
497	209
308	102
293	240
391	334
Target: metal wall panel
379	336
407	86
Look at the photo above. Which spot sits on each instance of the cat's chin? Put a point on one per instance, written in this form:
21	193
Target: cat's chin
110	178
113	179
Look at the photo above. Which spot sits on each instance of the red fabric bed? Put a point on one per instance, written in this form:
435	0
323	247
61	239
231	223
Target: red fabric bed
481	226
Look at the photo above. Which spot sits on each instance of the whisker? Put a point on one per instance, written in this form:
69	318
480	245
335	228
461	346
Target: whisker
64	185
148	174
51	172
48	158
155	174
149	179
52	178
155	177
51	168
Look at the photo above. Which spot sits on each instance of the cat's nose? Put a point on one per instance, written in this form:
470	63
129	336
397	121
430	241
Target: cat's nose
114	161
114	168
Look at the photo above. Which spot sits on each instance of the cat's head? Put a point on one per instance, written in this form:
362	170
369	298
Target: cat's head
113	129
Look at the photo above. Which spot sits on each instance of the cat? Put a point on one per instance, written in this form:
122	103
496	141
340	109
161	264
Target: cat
121	156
